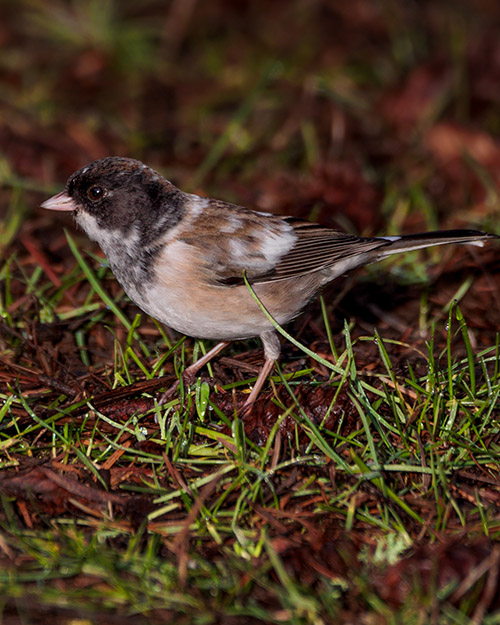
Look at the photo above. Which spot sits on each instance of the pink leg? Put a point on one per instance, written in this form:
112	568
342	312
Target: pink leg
271	351
190	373
264	372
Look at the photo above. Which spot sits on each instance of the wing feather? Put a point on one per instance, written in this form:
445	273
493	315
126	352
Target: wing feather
268	247
317	248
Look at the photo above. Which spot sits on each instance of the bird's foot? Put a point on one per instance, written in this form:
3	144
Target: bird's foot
188	378
245	411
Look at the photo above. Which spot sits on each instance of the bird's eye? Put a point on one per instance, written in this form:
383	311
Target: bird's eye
95	193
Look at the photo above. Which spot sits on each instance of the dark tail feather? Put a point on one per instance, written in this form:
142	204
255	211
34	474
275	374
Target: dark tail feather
410	242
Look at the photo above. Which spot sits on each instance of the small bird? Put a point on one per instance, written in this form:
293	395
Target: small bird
182	258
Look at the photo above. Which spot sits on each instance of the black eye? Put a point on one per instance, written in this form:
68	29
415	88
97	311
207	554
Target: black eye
95	193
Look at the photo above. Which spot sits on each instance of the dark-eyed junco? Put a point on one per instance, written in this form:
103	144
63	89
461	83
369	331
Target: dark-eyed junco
181	257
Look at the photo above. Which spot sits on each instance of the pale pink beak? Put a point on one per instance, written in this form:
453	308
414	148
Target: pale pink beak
59	202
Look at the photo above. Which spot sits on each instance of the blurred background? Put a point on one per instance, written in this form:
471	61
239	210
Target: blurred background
346	112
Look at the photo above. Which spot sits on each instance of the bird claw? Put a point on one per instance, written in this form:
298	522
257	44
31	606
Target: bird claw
246	410
188	379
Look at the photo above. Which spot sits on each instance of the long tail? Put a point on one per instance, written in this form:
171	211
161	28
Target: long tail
410	242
